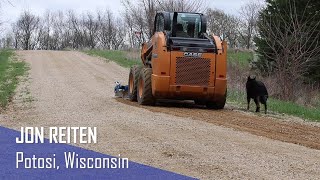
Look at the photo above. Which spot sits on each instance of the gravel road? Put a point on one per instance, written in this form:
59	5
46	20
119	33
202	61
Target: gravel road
68	88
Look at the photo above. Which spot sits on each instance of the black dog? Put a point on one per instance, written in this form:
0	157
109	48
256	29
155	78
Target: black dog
258	92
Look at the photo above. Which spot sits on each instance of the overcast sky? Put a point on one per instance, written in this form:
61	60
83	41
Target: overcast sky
10	12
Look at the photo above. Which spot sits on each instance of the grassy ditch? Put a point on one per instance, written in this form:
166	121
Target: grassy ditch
277	106
126	59
122	58
243	58
10	71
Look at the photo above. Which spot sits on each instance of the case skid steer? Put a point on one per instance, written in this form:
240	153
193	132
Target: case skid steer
181	61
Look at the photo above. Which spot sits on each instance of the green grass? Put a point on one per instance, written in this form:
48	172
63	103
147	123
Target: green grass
243	58
120	57
277	106
10	70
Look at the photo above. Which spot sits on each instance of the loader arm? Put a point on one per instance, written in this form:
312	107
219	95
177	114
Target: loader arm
146	52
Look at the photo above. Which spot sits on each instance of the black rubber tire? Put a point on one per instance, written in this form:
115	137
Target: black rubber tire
144	90
200	102
217	105
134	73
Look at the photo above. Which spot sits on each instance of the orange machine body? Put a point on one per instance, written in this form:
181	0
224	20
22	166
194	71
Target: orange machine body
175	75
181	61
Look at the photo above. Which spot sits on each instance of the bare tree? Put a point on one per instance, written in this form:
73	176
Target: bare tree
74	28
232	33
90	27
45	30
27	25
149	12
106	30
16	35
141	20
139	16
62	34
182	5
120	29
6	41
224	25
249	14
216	22
129	24
293	47
58	30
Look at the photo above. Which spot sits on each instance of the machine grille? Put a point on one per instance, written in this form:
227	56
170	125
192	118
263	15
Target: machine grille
192	71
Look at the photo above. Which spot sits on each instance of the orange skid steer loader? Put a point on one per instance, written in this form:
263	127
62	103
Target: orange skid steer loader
181	61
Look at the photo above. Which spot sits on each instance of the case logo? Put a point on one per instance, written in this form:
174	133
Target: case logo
191	54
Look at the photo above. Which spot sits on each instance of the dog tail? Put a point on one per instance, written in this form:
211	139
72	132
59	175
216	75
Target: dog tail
263	99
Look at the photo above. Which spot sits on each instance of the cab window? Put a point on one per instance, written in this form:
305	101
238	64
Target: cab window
188	25
160	23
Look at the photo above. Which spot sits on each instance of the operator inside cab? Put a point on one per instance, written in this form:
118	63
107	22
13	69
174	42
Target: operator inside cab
188	25
181	32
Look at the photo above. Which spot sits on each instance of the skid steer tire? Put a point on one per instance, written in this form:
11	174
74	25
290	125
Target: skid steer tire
219	104
200	102
145	96
133	82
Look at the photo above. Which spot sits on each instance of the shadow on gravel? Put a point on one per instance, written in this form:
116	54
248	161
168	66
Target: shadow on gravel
179	104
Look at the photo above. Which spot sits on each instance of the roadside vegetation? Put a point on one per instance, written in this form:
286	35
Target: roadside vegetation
123	58
239	67
242	58
238	98
10	71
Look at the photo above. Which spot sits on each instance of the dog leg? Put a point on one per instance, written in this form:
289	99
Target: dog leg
265	108
248	100
256	100
263	100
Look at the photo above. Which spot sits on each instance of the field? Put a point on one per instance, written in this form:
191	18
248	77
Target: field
239	63
10	70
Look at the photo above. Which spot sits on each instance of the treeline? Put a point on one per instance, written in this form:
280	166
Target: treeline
289	46
59	30
69	30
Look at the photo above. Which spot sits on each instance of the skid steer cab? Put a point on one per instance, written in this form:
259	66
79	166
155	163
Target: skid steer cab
181	61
